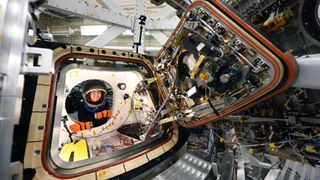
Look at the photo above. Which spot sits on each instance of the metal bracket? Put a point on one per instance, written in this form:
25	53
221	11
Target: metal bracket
139	27
255	162
16	170
37	61
136	44
87	10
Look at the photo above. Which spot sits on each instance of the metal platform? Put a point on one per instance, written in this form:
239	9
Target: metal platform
187	167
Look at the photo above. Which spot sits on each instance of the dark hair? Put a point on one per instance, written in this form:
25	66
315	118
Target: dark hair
93	84
90	85
88	99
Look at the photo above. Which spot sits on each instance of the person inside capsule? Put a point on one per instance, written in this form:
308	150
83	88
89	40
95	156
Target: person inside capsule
94	110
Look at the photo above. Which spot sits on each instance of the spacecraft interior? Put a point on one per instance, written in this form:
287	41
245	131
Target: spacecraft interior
213	65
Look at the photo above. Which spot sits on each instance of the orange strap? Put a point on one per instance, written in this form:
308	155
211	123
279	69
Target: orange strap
99	115
80	126
103	114
85	125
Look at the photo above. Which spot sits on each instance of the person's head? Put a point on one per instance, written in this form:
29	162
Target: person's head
95	95
94	92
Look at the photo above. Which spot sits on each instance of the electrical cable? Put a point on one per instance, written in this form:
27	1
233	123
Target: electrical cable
266	144
213	108
210	103
150	126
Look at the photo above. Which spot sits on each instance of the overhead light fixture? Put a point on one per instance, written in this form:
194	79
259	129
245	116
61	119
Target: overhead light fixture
93	30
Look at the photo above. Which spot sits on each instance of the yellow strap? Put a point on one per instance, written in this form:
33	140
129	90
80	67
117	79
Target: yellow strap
196	66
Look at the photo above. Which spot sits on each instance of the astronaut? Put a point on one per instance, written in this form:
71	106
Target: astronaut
94	109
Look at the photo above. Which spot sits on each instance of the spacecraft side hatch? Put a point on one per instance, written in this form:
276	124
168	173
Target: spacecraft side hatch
131	100
214	65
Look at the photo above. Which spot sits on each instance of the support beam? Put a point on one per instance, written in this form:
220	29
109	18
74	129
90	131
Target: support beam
188	1
167	11
85	10
161	20
43	10
159	36
162	23
107	36
112	13
113	32
111	4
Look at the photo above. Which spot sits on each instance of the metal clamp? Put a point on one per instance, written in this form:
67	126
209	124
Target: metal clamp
37	61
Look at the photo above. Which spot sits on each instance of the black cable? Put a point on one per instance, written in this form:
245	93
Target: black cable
64	119
210	103
214	109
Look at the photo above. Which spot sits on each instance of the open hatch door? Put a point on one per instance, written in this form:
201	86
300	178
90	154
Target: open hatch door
214	65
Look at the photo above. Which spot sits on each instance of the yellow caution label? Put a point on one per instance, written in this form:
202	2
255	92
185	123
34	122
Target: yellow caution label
221	140
250	150
75	151
102	173
272	146
311	149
